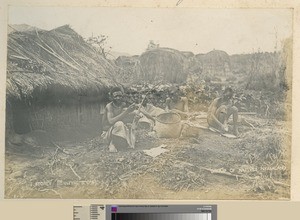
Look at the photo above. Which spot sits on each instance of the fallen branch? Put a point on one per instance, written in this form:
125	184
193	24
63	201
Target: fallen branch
247	113
267	111
52	190
61	149
222	172
69	165
53	161
245	122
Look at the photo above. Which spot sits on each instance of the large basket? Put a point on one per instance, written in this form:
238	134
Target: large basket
168	125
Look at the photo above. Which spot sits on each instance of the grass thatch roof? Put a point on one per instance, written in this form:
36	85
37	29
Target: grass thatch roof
164	63
214	62
188	54
57	61
214	56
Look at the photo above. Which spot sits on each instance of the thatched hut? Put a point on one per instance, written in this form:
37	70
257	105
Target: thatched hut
164	64
215	62
128	69
54	80
127	61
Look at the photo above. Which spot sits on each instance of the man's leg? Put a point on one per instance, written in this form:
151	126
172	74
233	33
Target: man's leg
112	147
119	137
234	112
108	137
221	115
117	142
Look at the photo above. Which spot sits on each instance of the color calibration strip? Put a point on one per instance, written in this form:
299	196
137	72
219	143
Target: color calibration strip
90	212
161	216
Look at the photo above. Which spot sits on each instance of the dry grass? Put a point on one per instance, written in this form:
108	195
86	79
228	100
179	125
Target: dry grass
265	157
249	167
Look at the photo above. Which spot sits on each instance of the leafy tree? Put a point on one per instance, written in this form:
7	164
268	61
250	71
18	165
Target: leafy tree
100	42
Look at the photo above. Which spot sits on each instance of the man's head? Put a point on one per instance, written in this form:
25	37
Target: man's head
174	93
174	96
228	93
145	100
117	95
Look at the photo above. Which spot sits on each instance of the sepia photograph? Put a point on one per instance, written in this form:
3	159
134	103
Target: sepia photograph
148	103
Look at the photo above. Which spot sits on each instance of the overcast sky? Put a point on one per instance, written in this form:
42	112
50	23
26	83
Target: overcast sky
200	31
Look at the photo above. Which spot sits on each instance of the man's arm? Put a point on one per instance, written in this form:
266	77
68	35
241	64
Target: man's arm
212	113
185	109
185	104
110	117
168	107
147	115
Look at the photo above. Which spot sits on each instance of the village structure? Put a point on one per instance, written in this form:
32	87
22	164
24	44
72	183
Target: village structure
163	124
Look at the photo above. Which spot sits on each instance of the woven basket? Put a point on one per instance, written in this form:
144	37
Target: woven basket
168	125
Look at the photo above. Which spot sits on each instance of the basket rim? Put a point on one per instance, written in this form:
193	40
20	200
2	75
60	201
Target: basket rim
179	118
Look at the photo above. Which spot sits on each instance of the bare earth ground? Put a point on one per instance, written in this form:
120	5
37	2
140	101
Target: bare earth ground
254	166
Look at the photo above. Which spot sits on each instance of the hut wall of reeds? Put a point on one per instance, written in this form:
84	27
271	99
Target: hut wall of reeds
54	80
164	64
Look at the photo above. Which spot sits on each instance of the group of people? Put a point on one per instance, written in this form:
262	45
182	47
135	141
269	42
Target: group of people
121	120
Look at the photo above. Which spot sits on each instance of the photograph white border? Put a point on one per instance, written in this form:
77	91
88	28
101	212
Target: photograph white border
295	179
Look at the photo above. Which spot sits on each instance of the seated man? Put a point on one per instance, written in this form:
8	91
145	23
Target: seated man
117	133
176	103
220	110
149	112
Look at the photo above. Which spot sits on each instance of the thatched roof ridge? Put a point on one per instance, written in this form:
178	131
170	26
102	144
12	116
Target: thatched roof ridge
218	52
59	58
188	54
161	49
21	28
214	56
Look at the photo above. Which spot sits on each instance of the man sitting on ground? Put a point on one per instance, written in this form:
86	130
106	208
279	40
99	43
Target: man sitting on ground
220	110
176	103
149	112
118	134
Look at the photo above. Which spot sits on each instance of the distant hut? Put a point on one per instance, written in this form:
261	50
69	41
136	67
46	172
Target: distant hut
216	62
163	63
129	69
54	80
127	61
